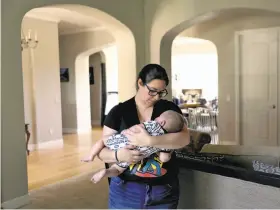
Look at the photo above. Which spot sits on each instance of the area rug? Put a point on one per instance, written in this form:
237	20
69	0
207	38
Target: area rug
74	193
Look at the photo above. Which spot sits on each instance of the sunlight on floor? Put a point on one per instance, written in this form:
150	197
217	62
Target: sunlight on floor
53	164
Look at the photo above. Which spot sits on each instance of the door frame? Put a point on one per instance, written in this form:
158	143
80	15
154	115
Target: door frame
237	68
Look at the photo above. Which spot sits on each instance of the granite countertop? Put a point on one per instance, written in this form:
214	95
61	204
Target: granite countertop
221	164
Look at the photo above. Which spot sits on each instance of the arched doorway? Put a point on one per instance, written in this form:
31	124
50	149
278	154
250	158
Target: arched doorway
16	117
194	66
78	31
219	26
195	82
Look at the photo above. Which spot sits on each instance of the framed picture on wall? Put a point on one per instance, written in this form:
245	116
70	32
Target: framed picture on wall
64	74
91	75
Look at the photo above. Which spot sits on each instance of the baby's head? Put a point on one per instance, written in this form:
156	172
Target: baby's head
171	121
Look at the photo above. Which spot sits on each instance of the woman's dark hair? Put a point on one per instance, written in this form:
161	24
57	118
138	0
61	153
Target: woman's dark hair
151	72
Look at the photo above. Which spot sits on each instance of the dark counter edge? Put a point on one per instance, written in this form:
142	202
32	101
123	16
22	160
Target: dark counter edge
229	171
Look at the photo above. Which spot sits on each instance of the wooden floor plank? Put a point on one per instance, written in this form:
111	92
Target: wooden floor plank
47	166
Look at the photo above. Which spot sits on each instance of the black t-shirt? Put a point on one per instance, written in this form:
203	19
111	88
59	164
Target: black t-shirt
151	170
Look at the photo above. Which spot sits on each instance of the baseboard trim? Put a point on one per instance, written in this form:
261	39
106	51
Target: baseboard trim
76	131
69	130
96	122
16	202
45	145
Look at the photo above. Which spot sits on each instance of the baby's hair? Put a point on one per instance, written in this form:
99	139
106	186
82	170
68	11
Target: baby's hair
174	118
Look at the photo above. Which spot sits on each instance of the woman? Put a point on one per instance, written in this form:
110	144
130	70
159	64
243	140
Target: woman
147	183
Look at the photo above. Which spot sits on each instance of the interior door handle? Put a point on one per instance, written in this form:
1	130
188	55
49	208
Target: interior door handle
273	106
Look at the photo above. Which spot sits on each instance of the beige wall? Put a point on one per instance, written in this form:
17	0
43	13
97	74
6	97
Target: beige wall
166	26
148	30
200	190
14	179
172	17
95	60
74	97
222	33
151	9
112	74
112	68
40	68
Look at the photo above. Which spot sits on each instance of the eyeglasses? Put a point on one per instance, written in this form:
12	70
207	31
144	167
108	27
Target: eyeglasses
154	92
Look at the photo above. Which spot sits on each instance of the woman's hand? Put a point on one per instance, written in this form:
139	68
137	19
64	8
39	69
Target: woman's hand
134	129
124	131
138	136
127	154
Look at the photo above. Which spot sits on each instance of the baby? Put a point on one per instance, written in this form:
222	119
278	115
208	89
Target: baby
168	121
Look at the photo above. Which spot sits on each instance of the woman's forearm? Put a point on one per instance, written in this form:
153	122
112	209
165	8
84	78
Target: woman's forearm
171	140
107	155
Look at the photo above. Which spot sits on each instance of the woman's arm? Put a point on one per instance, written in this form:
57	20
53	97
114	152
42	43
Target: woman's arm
125	154
171	140
106	154
167	141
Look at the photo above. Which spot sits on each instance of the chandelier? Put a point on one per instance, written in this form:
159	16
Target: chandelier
30	41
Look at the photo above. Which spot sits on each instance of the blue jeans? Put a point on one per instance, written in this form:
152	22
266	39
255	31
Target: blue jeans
134	195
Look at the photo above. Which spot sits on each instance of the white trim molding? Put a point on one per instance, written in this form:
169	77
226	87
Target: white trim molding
45	145
69	130
37	17
237	88
16	202
96	122
76	130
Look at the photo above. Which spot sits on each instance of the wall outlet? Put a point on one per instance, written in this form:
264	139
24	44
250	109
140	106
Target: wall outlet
51	131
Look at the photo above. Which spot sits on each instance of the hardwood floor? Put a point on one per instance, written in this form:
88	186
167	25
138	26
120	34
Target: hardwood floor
53	164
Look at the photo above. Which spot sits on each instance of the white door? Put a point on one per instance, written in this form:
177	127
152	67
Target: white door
258	56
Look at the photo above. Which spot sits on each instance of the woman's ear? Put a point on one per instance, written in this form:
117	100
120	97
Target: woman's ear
140	83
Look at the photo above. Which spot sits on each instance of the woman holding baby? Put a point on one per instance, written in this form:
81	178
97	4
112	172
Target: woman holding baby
147	183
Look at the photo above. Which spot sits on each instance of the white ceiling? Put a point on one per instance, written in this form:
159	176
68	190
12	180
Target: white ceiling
68	21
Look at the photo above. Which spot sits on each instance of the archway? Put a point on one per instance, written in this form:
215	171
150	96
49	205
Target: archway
194	73
98	91
84	119
194	66
73	56
16	119
206	26
122	37
166	25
